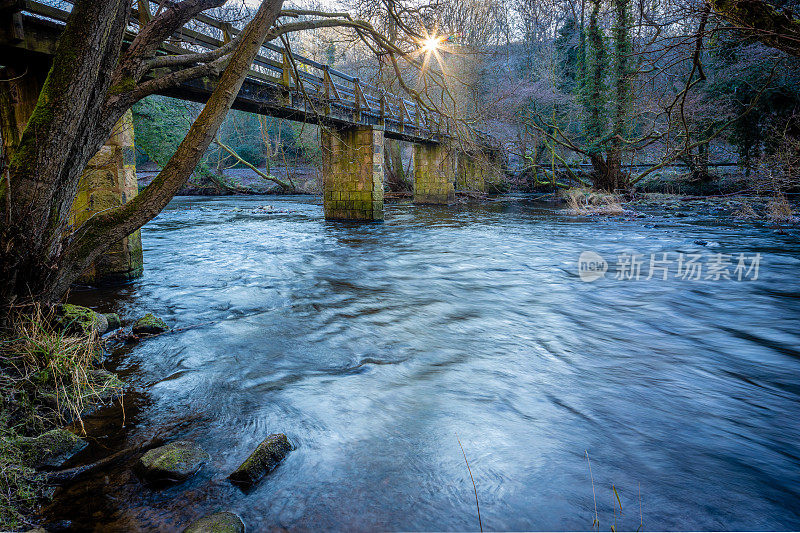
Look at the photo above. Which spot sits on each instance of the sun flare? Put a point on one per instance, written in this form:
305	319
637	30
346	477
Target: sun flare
431	44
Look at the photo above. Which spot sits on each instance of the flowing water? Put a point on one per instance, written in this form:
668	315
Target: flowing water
376	347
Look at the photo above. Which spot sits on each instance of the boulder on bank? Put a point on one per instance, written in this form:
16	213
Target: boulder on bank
149	325
113	320
223	522
51	449
79	320
263	460
173	462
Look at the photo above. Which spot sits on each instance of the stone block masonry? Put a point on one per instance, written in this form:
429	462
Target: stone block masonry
109	181
352	173
434	173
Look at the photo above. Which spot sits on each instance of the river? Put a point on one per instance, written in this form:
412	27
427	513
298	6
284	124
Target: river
376	347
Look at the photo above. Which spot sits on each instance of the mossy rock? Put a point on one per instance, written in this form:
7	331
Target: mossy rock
51	449
263	460
223	522
149	325
113	320
79	320
174	462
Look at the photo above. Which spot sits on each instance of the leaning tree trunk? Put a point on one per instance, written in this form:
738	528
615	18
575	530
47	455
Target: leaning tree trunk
90	85
96	235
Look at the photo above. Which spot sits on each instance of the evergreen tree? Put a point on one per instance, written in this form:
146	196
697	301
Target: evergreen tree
593	95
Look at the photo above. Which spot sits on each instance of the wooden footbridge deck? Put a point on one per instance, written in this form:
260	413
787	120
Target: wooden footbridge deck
279	84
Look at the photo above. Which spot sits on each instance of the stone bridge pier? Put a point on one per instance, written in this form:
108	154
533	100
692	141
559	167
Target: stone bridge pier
109	180
434	173
352	173
470	175
475	166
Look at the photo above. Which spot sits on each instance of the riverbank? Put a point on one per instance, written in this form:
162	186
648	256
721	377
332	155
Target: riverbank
51	378
305	179
743	207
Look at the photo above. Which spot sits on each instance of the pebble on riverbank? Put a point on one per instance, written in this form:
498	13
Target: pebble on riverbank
173	462
263	460
223	522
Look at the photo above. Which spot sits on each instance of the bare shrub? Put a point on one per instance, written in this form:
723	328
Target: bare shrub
779	209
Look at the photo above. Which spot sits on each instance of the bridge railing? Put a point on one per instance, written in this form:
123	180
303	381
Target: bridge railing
275	65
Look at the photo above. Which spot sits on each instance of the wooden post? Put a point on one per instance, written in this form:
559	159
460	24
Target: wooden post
13	9
227	32
328	88
327	82
286	71
383	108
403	111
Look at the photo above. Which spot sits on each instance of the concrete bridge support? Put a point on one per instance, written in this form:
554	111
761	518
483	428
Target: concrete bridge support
109	179
434	172
471	172
352	173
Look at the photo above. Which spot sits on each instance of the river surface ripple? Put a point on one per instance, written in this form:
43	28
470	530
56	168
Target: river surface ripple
374	346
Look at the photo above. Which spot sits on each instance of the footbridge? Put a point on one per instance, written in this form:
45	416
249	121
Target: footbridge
355	118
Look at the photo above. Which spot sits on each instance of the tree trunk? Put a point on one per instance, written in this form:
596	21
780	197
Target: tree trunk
608	174
65	129
91	239
83	97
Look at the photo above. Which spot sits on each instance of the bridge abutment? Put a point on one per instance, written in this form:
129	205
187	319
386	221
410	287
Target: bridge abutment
108	181
434	170
352	173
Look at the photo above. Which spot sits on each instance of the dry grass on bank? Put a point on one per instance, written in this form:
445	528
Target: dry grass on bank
588	202
44	358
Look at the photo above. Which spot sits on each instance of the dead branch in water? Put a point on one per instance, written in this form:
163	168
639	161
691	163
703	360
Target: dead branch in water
68	475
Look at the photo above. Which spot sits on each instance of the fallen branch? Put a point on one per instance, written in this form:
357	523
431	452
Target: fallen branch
68	475
252	167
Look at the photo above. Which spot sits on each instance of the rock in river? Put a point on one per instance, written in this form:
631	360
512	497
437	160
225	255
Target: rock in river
149	325
175	462
113	320
263	460
223	522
